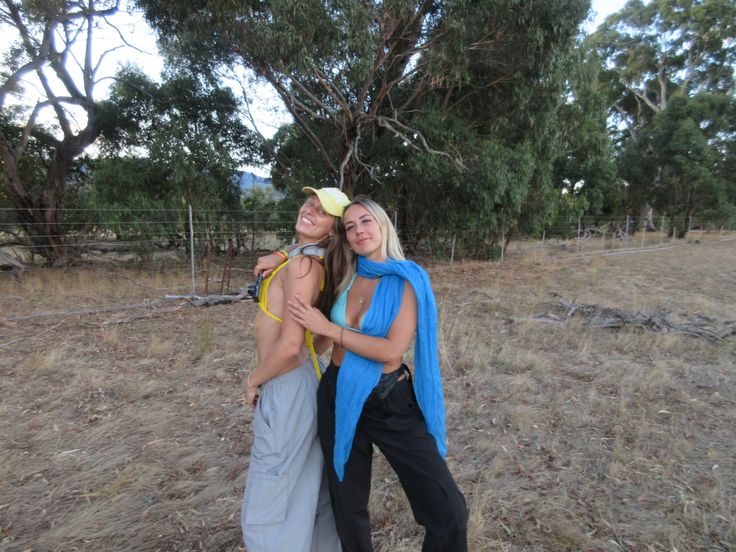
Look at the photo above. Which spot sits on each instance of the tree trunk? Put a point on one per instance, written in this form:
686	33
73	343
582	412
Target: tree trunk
37	217
688	213
40	217
646	216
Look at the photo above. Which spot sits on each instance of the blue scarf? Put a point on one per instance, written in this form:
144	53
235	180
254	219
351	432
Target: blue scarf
359	375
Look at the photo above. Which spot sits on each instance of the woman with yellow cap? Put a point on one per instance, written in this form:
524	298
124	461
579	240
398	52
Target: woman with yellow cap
286	505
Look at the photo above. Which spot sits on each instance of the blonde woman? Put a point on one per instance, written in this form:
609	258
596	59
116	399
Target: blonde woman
369	396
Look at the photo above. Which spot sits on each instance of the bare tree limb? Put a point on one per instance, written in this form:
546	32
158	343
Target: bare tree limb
22	338
598	316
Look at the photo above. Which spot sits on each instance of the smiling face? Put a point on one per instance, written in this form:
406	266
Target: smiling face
313	223
363	232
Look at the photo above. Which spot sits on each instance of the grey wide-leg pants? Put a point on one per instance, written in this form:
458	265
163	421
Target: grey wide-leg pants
286	506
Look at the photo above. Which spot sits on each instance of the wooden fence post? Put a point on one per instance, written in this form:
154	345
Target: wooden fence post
191	248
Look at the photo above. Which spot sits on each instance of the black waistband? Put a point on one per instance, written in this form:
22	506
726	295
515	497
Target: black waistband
401	369
387	381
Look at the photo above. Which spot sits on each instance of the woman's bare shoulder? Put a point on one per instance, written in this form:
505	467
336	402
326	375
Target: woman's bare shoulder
302	266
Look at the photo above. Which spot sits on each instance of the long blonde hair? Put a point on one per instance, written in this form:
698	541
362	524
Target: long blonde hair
342	262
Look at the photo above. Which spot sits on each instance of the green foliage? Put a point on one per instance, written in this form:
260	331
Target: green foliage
134	198
397	99
190	133
680	164
585	166
670	75
266	210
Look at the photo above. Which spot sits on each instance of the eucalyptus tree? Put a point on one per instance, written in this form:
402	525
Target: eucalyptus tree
168	145
661	54
190	130
585	170
50	68
399	98
685	158
336	65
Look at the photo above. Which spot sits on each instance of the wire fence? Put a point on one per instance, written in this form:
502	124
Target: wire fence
206	237
143	232
599	235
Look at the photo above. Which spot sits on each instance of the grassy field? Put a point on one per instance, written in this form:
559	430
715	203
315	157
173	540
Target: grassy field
124	429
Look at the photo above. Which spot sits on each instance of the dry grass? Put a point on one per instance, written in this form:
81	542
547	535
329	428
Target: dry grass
133	436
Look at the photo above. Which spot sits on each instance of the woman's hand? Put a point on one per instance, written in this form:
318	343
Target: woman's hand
309	317
266	264
251	393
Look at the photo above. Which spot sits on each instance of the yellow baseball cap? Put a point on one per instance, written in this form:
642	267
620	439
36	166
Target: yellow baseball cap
333	200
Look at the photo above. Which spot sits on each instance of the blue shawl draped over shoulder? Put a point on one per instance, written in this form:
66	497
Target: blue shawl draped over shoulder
359	375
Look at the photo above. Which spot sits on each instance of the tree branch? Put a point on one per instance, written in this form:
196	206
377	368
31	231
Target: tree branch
393	125
300	121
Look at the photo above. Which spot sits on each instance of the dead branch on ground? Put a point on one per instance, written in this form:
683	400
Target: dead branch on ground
8	343
210	300
598	316
141	315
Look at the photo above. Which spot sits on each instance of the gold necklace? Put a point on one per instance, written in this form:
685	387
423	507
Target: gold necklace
364	293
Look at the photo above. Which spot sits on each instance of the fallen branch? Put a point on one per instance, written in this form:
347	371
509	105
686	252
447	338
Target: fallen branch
209	300
598	316
7	343
139	316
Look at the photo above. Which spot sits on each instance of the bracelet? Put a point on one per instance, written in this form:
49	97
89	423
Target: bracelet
342	329
247	381
282	253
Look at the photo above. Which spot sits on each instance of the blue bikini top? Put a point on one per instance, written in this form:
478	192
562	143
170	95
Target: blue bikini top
338	314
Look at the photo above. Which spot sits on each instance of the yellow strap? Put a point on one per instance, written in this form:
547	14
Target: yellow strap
309	338
263	305
263	293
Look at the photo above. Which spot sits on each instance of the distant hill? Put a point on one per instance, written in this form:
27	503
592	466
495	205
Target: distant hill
248	181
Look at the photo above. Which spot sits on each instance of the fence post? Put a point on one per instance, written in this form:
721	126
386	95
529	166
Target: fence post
689	224
503	240
674	234
191	247
544	234
577	241
643	231
661	230
626	232
452	253
207	270
720	233
225	282
603	241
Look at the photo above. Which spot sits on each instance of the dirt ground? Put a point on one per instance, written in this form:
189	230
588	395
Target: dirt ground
123	429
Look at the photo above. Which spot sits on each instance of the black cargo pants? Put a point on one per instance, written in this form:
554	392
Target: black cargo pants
396	425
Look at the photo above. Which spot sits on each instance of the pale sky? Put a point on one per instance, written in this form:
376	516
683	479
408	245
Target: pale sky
601	9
